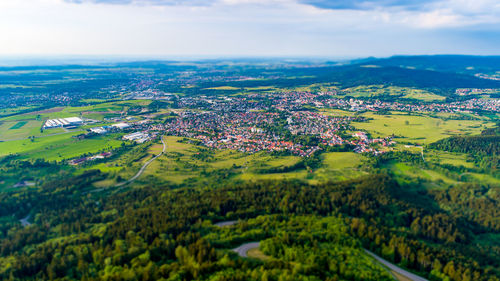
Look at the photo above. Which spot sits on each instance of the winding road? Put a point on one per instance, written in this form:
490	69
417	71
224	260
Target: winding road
395	268
243	249
25	221
226	223
143	168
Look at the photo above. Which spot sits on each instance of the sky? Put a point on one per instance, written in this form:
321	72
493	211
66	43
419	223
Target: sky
248	28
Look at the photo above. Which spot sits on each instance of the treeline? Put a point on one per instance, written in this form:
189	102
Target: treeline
478	145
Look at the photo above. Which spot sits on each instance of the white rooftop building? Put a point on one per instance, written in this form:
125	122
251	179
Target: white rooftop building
120	126
98	130
63	122
138	137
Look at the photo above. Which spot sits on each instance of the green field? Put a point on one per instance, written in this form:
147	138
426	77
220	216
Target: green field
380	90
423	95
18	125
181	163
223	88
96	111
339	166
15	130
58	147
404	169
418	129
443	157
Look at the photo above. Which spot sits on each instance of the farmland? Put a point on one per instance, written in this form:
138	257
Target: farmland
58	147
418	128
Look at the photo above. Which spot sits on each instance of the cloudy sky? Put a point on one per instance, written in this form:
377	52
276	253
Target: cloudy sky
168	28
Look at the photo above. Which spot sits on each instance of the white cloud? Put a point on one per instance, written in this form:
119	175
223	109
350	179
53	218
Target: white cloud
238	27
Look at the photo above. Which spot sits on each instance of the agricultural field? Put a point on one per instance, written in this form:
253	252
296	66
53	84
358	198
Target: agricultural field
17	130
407	170
183	161
423	96
223	88
339	166
373	91
96	111
59	147
450	158
417	129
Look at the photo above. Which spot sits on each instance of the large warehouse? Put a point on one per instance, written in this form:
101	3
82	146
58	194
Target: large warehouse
63	122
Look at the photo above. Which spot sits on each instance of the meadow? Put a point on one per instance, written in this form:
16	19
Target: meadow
418	129
94	111
186	162
16	130
373	91
59	147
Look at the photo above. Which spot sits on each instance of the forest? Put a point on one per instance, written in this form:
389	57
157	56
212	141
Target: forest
149	234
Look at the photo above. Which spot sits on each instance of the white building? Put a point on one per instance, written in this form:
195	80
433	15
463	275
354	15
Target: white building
63	122
138	137
120	126
98	130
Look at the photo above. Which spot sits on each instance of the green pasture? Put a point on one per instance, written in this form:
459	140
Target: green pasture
58	147
436	178
336	112
450	158
423	96
180	162
18	125
95	111
368	91
14	110
339	166
404	169
260	88
15	130
223	88
418	129
342	160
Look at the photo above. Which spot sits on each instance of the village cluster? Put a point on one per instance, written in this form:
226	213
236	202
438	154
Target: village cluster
275	121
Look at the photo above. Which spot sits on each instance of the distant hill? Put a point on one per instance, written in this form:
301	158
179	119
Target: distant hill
446	63
368	73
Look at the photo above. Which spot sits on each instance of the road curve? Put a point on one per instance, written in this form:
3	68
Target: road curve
395	268
225	223
25	221
243	249
143	168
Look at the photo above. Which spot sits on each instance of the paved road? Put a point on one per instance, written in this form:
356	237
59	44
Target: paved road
25	221
225	223
243	249
396	268
143	168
